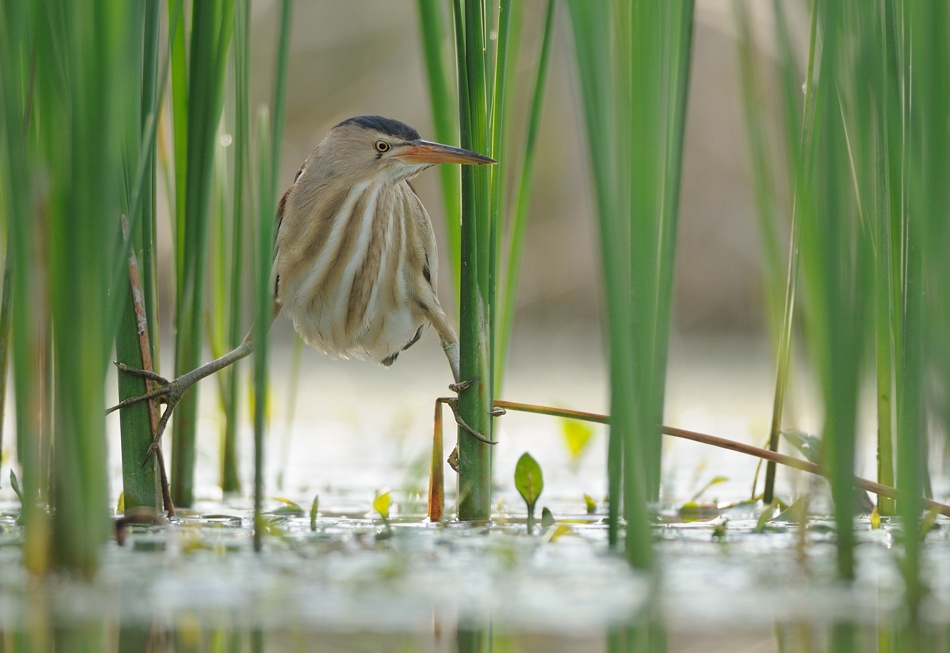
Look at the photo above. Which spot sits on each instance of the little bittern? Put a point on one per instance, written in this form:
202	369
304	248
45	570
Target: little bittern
355	264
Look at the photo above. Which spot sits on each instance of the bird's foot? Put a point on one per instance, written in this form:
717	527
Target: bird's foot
460	387
454	405
168	392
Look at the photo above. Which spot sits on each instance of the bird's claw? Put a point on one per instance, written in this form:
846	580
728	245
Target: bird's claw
454	405
168	392
462	385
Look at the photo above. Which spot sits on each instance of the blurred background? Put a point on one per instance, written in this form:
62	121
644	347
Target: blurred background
351	421
364	58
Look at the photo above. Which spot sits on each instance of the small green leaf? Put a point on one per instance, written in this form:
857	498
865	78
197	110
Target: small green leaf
381	504
928	521
809	445
547	518
590	504
528	479
716	481
765	517
529	482
120	505
577	435
313	512
15	484
289	508
793	513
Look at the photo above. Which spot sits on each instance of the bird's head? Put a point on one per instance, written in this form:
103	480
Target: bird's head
382	148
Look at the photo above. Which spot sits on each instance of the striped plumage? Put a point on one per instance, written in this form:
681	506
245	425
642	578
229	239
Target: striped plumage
356	263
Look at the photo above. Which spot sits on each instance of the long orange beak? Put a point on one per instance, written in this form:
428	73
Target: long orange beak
426	152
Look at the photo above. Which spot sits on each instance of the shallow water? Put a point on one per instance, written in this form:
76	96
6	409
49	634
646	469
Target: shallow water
354	584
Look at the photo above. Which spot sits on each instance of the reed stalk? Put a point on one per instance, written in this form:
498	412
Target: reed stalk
141	483
801	160
634	92
23	253
230	382
268	156
925	45
475	320
85	64
211	27
767	202
522	200
432	22
263	309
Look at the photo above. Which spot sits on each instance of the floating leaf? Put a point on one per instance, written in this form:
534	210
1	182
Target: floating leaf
547	518
120	506
529	482
692	511
590	504
559	531
875	519
716	481
577	435
381	504
290	508
313	512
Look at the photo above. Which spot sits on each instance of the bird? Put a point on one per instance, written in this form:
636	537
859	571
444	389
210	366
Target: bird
355	263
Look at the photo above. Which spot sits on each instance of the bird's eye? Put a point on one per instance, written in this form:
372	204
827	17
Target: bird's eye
382	146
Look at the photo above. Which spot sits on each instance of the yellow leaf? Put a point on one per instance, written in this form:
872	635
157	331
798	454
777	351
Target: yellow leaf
557	532
875	519
577	436
382	502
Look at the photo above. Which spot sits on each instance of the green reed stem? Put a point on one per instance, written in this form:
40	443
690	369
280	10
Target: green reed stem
6	319
766	200
23	249
474	314
801	205
445	120
211	28
230	477
633	62
179	106
263	309
141	484
522	201
280	91
836	254
88	90
926	298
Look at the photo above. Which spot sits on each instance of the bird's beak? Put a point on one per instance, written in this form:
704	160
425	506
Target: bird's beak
433	153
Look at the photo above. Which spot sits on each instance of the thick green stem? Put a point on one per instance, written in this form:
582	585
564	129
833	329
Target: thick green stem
475	457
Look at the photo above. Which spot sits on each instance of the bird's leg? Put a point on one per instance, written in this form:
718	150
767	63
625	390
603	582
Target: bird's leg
171	392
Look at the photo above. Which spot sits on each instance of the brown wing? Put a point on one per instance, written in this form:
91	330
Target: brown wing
280	219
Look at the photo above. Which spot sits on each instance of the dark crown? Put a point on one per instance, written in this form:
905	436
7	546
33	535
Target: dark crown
387	126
